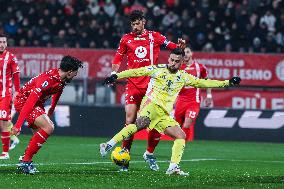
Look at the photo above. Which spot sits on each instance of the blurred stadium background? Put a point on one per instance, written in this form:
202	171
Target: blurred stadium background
232	38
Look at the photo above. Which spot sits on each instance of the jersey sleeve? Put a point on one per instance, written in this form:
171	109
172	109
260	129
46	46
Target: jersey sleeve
121	51
14	65
190	80
144	71
42	85
162	40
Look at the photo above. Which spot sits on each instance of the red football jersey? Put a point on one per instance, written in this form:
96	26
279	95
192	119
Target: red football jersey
190	93
8	67
141	50
44	85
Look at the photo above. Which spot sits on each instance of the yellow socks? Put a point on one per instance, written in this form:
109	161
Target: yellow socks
177	150
125	133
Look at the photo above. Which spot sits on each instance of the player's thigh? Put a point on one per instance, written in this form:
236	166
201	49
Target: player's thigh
133	98
179	114
38	119
175	132
131	113
43	122
191	115
150	112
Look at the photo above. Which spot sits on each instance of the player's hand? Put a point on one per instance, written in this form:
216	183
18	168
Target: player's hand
110	80
208	101
235	81
15	131
181	43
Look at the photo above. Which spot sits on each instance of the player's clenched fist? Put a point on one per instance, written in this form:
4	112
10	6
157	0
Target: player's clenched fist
110	80
235	81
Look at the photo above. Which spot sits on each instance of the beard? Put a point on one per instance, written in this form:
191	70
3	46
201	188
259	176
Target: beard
172	69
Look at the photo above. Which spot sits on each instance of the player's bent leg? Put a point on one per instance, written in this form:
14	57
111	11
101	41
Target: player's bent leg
45	129
5	138
187	126
131	114
177	150
141	123
149	157
121	135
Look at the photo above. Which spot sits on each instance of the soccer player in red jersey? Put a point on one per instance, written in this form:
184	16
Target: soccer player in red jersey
30	104
9	70
142	48
188	102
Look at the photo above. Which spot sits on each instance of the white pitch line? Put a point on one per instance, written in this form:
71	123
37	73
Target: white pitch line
186	160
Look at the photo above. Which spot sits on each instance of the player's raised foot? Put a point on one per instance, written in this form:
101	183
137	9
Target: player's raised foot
4	156
104	149
14	142
174	169
151	160
27	167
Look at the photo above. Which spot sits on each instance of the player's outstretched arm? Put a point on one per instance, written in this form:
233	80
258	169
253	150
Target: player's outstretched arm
208	83
54	101
26	110
144	71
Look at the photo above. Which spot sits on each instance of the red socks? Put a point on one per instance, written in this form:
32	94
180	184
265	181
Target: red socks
153	140
127	143
5	137
35	144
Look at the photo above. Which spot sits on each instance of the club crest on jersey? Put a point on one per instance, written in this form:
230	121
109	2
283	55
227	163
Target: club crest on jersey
141	52
44	84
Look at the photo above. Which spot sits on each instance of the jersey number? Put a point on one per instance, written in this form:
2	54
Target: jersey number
192	114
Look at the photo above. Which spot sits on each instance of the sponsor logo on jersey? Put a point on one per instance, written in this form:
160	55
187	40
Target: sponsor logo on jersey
141	52
44	84
139	38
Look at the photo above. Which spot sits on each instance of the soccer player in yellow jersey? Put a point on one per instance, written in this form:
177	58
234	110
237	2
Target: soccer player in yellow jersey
164	86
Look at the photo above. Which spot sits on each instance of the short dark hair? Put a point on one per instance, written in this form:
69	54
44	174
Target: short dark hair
136	15
3	35
69	63
178	51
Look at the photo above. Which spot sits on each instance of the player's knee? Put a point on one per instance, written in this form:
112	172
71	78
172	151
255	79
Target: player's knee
142	122
49	128
181	135
130	118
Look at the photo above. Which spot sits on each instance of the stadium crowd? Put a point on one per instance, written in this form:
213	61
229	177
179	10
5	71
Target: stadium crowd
223	25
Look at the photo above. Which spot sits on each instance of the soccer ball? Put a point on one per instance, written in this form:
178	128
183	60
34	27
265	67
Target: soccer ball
120	156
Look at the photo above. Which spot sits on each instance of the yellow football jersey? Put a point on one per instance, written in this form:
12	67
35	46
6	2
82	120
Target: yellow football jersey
165	86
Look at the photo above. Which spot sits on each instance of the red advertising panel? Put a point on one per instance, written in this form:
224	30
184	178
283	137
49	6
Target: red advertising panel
254	69
248	99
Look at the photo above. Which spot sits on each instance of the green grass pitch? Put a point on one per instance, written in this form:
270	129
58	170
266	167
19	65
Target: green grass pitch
75	162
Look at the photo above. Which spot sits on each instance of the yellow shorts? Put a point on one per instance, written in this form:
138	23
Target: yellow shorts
160	119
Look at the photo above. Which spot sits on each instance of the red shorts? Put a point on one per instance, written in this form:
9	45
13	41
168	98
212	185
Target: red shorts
5	108
186	110
134	95
36	112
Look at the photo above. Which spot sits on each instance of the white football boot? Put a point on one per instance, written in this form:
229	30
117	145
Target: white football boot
174	169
